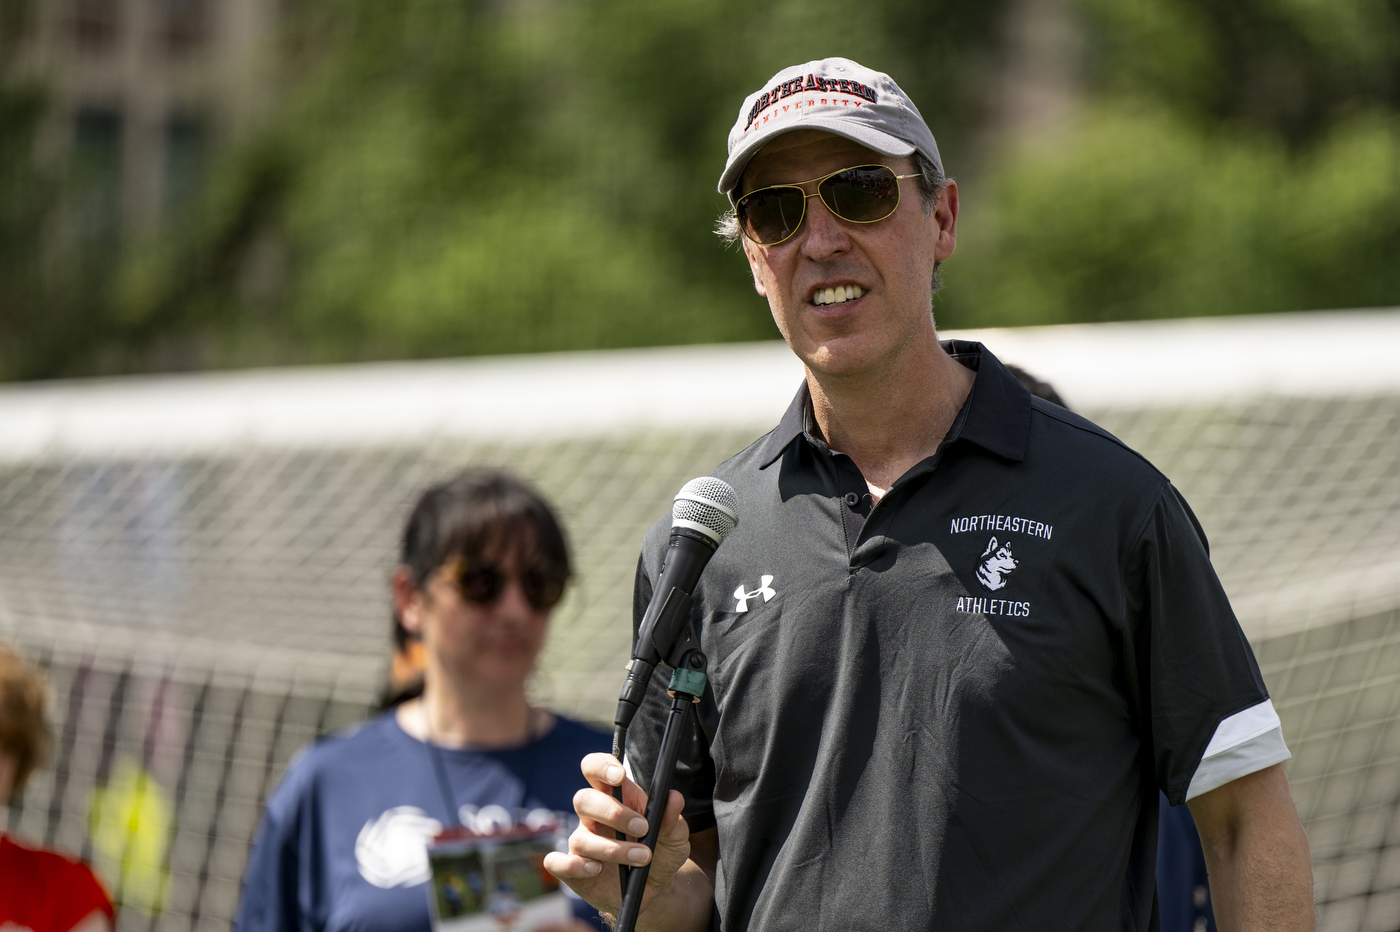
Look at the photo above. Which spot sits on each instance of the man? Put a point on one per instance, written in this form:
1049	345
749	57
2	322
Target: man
960	636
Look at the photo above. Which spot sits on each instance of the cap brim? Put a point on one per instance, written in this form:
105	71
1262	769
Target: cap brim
868	136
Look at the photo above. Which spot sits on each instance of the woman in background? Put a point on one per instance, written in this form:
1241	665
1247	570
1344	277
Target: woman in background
40	891
343	840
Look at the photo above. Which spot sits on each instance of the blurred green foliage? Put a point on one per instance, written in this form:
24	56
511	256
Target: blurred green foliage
1134	213
450	178
1227	159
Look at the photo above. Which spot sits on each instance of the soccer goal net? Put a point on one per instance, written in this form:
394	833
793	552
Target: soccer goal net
200	562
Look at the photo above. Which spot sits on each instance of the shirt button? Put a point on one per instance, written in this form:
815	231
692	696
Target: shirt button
852	499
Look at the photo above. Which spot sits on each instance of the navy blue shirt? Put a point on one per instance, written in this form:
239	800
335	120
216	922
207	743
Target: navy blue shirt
1183	890
343	840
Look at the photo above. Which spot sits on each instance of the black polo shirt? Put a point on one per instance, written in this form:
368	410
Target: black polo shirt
952	710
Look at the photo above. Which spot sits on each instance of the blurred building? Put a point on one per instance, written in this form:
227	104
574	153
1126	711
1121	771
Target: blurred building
142	93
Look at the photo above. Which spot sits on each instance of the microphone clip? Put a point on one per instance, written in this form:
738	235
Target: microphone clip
688	679
665	641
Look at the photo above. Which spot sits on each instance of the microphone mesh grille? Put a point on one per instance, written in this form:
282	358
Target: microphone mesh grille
709	503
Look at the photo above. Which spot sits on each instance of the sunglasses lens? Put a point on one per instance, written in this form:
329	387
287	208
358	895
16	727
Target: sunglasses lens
482	585
772	214
862	195
543	589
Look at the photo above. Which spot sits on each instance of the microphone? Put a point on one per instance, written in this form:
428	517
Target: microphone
704	513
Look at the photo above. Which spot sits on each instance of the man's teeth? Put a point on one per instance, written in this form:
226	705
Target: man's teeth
837	295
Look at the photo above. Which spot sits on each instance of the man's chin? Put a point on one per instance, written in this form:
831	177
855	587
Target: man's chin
841	357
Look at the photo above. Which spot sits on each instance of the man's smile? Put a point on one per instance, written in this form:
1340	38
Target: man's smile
835	294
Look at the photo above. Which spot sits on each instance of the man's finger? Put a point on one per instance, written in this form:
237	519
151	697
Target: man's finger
596	847
602	810
604	772
603	768
672	827
567	866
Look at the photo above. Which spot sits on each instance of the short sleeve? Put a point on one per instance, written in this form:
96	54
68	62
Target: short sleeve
82	895
1201	695
694	774
270	883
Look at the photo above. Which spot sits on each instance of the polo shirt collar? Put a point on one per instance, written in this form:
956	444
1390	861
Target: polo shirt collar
997	413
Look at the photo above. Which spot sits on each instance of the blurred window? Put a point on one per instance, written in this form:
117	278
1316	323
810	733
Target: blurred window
186	25
95	23
186	155
97	168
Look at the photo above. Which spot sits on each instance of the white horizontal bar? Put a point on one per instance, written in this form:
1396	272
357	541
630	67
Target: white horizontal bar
744	386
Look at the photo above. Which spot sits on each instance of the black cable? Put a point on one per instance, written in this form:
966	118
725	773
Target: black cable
620	751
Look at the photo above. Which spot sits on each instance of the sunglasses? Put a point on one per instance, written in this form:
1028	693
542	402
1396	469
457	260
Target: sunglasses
482	584
863	194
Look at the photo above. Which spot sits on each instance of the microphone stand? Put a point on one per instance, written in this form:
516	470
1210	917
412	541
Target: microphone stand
687	685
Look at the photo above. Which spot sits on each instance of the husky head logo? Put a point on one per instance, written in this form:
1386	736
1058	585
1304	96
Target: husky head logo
997	564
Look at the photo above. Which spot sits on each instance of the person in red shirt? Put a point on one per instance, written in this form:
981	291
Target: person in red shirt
40	891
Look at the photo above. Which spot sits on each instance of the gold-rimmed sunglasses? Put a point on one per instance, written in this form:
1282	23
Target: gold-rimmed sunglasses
861	194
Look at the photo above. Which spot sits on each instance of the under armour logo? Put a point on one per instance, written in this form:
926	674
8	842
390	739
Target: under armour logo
743	596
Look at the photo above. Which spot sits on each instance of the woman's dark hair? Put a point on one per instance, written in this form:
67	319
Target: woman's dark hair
483	513
1036	387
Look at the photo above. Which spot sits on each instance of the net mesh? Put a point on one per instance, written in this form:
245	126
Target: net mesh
202	617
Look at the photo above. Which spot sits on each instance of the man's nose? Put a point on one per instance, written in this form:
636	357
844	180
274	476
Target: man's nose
826	235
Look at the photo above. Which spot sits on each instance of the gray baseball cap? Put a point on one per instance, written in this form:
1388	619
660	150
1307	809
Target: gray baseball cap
838	96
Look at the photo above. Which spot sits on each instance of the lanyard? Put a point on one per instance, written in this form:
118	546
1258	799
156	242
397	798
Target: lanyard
445	786
440	772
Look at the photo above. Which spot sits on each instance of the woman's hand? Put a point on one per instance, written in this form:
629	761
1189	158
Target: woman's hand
590	866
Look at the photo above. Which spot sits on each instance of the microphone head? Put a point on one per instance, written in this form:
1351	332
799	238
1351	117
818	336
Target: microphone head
707	505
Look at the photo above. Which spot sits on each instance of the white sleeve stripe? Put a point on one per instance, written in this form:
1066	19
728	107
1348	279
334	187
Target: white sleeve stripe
1241	760
1241	727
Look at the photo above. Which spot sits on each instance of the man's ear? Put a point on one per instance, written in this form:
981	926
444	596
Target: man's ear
945	214
753	265
408	601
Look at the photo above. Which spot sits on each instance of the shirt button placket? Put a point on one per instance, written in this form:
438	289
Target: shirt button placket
852	519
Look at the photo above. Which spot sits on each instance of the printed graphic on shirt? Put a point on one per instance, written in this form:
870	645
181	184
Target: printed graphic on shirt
998	562
994	567
742	595
392	850
1012	523
980	605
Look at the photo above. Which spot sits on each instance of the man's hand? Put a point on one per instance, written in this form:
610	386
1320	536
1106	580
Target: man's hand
1257	855
679	892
